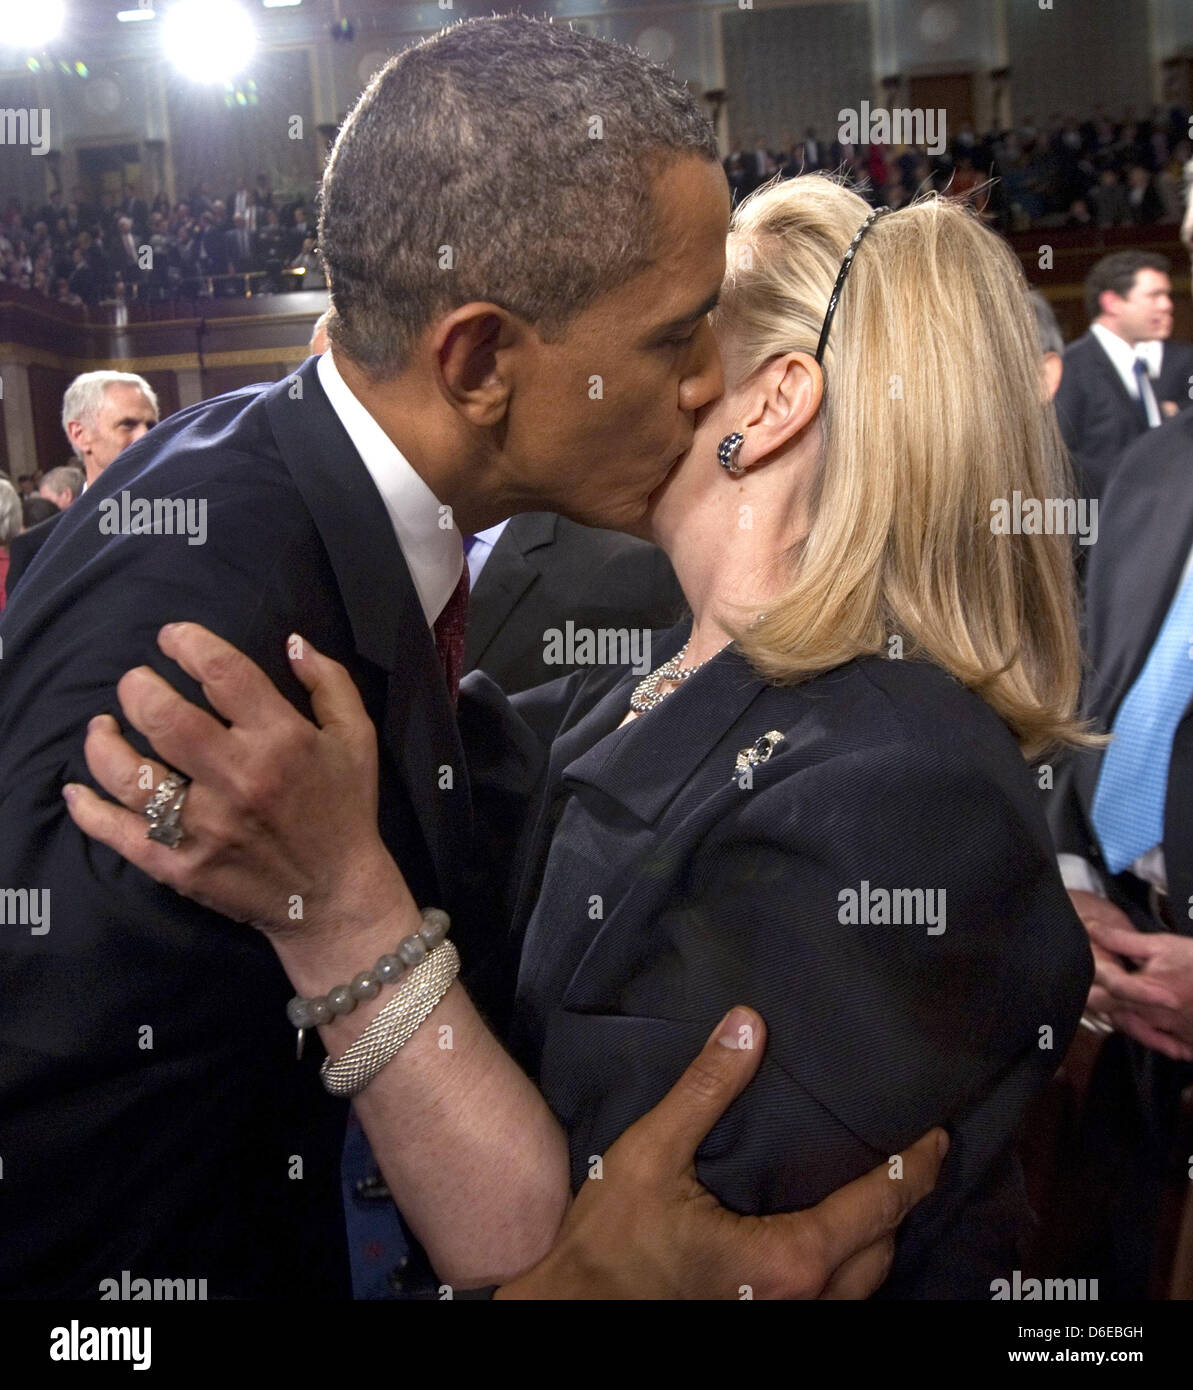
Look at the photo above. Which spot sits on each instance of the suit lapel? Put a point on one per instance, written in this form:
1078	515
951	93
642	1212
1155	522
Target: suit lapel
1110	377
389	627
507	574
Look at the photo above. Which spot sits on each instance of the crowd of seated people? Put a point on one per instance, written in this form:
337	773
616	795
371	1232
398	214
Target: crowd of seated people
77	252
1095	171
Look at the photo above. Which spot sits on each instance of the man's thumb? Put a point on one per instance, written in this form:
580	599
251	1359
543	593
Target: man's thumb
717	1075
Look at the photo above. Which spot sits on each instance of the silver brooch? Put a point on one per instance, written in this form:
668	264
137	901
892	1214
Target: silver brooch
759	753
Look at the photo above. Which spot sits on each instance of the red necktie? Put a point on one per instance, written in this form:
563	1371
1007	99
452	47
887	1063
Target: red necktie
449	634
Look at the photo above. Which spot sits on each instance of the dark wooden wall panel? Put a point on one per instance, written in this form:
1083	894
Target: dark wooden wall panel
165	387
47	386
218	380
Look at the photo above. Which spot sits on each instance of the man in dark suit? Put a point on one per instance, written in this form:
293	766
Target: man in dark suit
239	244
1122	377
102	414
540	572
1122	820
136	209
152	1115
82	281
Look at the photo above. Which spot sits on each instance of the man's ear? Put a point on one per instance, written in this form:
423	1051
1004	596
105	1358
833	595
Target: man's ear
470	351
74	432
1051	370
783	400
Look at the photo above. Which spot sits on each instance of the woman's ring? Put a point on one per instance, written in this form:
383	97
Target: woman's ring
164	811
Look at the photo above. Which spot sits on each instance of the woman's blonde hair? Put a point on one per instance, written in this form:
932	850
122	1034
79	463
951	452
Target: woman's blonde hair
933	410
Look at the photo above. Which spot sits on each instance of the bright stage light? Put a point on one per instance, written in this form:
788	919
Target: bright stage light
208	40
134	16
23	25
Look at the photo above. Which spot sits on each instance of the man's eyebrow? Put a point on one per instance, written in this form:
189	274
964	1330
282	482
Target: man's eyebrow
706	308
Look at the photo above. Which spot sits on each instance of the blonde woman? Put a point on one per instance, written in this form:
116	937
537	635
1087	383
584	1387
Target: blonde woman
819	802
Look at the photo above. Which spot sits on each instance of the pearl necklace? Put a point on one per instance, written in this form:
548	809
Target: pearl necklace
647	693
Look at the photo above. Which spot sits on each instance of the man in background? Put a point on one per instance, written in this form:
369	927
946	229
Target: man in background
102	414
1052	343
62	485
537	572
1122	820
1123	377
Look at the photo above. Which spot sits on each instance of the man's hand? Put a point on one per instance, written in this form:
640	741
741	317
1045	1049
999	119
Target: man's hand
1154	1004
647	1229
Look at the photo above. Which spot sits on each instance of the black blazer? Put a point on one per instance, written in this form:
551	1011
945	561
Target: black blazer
1145	532
1175	382
1099	418
658	891
1097	415
22	549
179	1160
545	571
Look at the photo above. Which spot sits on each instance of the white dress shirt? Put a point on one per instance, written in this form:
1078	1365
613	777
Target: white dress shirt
1078	873
1123	356
434	553
482	547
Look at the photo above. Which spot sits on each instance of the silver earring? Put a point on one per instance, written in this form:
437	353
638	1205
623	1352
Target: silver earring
727	452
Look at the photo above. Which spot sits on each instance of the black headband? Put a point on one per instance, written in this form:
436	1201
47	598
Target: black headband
842	273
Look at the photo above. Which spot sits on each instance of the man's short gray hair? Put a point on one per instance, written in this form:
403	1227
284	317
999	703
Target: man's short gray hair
1047	328
65	476
10	511
85	395
506	159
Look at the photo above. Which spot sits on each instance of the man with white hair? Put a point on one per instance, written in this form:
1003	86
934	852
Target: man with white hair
62	485
102	414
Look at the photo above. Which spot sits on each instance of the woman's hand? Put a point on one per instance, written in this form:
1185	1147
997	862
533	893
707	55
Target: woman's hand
280	818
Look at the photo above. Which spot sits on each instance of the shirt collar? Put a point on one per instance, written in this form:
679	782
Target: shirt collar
433	553
1123	355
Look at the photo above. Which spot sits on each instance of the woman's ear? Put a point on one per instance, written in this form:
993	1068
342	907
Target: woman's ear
784	399
469	350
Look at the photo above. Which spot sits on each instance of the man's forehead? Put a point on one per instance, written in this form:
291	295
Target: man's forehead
122	397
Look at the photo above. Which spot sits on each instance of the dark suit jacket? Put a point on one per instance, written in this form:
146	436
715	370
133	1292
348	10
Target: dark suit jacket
545	571
24	547
1145	532
1176	374
1099	418
179	1159
657	891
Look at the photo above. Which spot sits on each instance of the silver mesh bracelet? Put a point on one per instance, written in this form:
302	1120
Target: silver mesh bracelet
395	1025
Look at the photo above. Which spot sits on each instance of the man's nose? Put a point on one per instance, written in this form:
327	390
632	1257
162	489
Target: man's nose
707	382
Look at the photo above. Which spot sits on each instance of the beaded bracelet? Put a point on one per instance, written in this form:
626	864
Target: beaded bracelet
410	951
